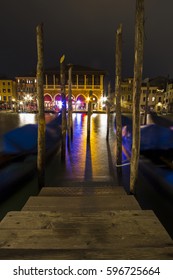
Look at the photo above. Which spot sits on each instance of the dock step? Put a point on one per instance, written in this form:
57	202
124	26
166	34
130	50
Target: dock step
83	222
108	235
81	191
83	203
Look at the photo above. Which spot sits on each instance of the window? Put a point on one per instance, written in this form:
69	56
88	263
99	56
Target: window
81	80
89	80
144	99
9	90
4	90
97	80
153	99
128	97
74	80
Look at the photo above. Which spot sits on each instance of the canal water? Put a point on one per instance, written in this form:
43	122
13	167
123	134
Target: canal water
92	163
87	162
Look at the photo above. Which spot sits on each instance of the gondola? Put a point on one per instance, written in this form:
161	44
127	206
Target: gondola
18	157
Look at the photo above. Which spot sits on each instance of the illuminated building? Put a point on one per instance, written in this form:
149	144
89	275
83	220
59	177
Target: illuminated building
7	93
154	92
26	91
84	80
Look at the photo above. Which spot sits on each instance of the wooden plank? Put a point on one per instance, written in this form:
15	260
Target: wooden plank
136	222
94	203
121	230
81	191
79	238
119	221
147	253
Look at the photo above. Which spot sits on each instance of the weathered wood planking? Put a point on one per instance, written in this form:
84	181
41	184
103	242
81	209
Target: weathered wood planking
83	223
119	221
115	222
81	191
78	239
92	203
119	230
165	253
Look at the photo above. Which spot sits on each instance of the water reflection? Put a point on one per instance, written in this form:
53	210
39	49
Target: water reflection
87	160
9	121
26	118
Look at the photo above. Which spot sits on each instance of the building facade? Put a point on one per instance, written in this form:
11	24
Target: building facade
85	81
26	93
156	94
7	93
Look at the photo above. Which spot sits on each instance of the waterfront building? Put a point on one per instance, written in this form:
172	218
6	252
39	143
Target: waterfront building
168	97
7	93
85	80
153	92
26	92
126	94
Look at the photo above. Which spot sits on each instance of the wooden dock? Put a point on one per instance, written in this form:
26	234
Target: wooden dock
76	223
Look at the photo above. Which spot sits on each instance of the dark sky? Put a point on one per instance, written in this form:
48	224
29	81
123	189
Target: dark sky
85	32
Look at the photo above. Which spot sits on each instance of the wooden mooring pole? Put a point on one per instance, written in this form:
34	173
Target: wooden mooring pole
146	102
108	110
118	57
63	97
41	115
89	116
138	66
69	120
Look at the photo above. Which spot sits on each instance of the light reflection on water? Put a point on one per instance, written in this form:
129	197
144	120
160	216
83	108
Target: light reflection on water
87	160
9	121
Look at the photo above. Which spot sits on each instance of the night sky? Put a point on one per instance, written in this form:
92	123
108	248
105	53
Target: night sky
85	32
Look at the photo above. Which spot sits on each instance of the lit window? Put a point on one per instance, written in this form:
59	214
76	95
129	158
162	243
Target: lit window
153	99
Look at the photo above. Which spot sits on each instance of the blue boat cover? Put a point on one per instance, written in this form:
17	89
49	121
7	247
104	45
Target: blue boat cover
24	139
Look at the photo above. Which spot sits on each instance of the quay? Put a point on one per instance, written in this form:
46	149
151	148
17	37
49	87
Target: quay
83	222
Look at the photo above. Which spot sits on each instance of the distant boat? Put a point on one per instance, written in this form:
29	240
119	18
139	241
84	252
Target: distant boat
156	138
18	158
23	140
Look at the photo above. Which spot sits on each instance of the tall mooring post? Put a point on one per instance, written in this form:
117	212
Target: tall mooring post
138	66
108	110
118	78
63	97
41	116
69	120
89	115
146	102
